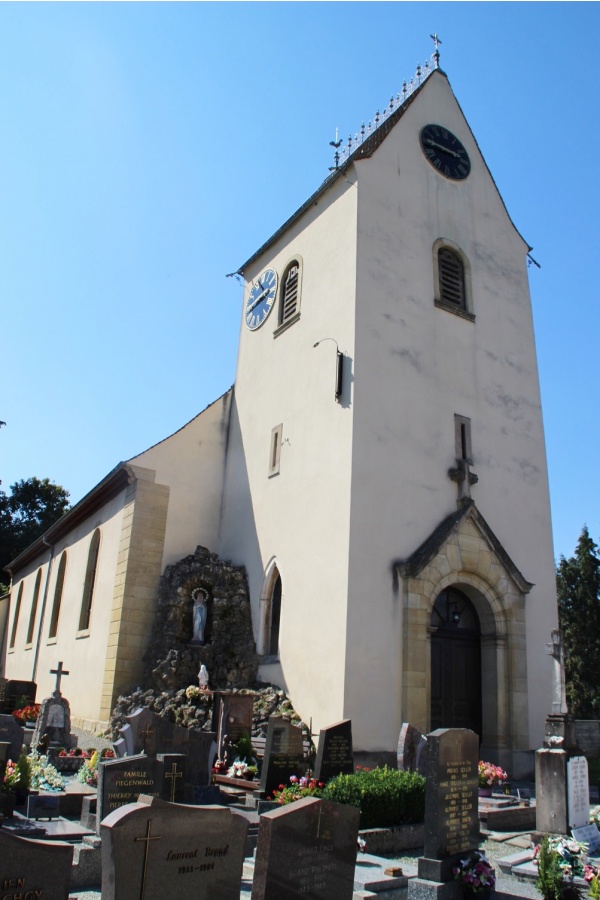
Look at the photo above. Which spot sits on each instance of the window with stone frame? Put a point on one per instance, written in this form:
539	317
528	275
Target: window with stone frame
90	581
34	606
58	592
13	634
289	300
274	618
451	274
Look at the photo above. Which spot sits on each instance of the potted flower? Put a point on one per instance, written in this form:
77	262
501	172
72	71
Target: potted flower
490	776
8	788
475	874
251	772
23	785
237	770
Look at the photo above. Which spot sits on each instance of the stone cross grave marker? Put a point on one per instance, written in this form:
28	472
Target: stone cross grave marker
11	733
34	869
152	850
334	754
306	850
411	749
53	723
578	792
284	754
451	791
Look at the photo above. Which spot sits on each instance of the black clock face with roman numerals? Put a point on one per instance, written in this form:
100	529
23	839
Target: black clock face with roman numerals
445	152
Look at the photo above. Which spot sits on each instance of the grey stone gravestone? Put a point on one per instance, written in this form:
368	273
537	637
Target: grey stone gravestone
12	733
334	754
578	791
232	717
34	869
152	849
451	791
151	734
306	850
171	767
411	749
284	754
588	834
121	781
53	725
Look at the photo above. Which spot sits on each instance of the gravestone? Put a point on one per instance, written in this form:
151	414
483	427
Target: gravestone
148	733
588	834
578	791
306	850
334	754
232	717
451	819
152	849
121	781
16	694
284	754
411	749
171	767
43	806
11	732
53	725
34	869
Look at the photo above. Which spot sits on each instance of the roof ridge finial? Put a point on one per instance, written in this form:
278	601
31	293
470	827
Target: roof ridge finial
434	37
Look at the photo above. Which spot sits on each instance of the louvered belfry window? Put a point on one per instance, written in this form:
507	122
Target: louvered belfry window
452	278
289	297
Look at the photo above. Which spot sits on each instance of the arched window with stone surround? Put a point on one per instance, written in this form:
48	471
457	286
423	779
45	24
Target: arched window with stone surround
270	612
34	606
90	581
13	634
58	591
273	647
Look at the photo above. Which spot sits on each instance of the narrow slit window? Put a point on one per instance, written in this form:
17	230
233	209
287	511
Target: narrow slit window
452	278
462	438
275	451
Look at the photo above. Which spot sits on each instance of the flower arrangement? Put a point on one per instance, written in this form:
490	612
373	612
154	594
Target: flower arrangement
490	775
570	856
239	769
44	775
12	776
475	873
595	815
88	773
28	713
193	692
76	751
298	789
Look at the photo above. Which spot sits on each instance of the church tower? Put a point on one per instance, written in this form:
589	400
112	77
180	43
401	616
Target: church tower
386	483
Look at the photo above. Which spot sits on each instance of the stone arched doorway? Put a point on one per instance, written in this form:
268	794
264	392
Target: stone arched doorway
455	662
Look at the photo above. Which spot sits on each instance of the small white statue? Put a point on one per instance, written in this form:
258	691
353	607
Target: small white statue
203	678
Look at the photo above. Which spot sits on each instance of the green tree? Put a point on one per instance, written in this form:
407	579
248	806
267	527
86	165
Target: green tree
26	513
578	586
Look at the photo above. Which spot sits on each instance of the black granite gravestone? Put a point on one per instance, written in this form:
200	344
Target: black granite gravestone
306	851
12	733
284	755
232	718
121	781
411	749
451	790
334	755
152	850
32	869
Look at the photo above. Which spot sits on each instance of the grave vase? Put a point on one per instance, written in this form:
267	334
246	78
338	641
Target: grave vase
7	803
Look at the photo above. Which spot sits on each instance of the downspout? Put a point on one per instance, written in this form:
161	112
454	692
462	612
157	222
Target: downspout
44	600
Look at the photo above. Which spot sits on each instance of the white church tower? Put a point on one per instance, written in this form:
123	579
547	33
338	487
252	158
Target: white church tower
386	483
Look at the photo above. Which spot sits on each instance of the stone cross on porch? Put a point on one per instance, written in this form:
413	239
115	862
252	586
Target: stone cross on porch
59	672
556	649
464	478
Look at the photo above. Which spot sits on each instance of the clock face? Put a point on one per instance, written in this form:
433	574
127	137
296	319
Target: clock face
445	152
261	299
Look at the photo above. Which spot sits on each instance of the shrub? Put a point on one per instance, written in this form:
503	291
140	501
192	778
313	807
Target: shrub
384	796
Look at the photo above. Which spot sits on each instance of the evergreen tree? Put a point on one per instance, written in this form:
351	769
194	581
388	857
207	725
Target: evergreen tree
578	586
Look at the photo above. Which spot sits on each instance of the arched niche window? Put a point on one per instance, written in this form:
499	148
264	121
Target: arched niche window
289	296
58	592
13	634
275	619
34	606
452	276
89	583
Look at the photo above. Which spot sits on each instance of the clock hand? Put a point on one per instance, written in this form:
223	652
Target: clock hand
442	148
258	300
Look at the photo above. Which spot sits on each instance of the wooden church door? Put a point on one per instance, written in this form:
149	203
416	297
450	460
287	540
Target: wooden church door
455	663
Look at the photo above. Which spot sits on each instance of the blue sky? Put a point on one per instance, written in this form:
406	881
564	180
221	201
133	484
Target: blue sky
150	148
